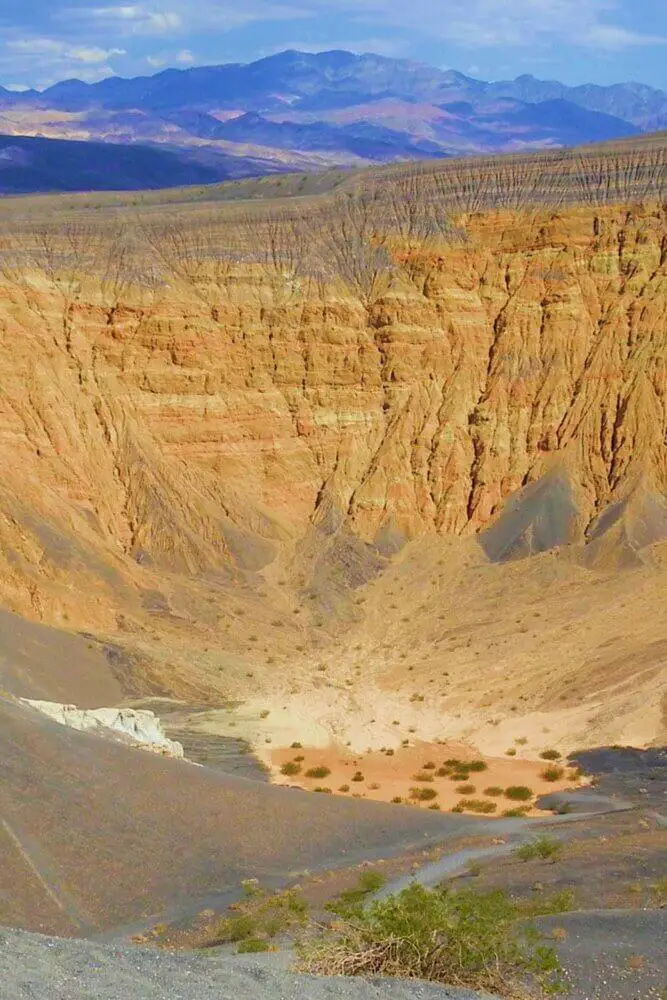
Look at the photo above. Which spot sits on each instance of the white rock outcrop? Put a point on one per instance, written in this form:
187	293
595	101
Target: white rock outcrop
141	727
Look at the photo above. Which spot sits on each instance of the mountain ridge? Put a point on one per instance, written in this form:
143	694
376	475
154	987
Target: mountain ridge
309	111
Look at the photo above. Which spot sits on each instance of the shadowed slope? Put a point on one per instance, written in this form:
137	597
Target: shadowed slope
95	836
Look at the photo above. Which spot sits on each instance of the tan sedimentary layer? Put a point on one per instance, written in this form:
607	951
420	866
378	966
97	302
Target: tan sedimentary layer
185	468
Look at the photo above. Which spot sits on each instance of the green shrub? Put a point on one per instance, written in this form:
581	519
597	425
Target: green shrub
252	946
322	790
454	764
261	918
318	772
550	755
423	794
466	789
552	773
544	848
511	752
351	902
476	806
476	765
443	772
459	776
290	768
423	776
494	790
297	746
519	813
470	939
518	793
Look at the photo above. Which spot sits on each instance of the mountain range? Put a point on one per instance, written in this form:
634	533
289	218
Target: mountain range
303	111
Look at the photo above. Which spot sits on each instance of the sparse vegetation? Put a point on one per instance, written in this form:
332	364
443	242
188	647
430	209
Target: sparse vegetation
518	793
494	791
466	789
423	794
349	902
290	768
318	772
482	806
552	773
543	848
260	919
550	755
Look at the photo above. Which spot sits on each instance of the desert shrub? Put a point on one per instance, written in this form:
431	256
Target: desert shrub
476	806
357	776
464	939
435	807
466	789
428	766
511	752
252	946
423	794
519	813
323	790
550	755
476	765
397	800
290	768
543	848
260	918
351	901
454	764
494	790
344	788
422	776
459	776
318	772
443	772
518	793
659	891
297	746
552	773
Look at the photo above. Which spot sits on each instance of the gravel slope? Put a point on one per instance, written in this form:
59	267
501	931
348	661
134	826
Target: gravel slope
40	968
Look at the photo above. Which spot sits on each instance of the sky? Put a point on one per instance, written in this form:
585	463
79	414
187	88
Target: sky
576	41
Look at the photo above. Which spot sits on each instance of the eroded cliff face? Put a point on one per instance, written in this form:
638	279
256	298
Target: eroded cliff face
212	431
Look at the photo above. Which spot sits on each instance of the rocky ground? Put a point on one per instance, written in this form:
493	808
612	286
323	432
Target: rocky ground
37	968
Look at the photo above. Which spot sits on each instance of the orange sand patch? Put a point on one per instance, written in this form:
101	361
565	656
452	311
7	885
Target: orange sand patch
386	776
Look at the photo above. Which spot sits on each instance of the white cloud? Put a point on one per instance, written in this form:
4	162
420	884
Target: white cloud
185	57
501	23
50	47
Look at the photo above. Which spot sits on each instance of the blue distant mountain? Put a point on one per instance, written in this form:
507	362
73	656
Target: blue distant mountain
297	110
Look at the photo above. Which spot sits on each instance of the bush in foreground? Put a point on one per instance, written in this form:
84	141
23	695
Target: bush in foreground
464	939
